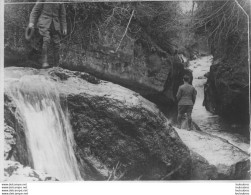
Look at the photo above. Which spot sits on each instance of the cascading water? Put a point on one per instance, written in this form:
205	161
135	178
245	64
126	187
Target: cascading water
209	123
48	131
200	67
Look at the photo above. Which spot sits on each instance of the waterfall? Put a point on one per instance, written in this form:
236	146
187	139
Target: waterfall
48	132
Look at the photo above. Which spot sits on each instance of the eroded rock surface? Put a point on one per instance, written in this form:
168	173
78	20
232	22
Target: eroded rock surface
16	172
214	157
119	134
226	92
9	141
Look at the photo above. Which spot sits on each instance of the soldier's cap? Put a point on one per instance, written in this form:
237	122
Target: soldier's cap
29	33
186	78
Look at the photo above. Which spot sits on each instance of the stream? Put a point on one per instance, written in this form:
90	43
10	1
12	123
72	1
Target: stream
208	122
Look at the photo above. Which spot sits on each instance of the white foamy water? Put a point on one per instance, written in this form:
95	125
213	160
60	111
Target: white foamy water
200	67
49	136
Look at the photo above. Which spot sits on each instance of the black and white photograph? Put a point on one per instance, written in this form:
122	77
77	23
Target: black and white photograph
126	91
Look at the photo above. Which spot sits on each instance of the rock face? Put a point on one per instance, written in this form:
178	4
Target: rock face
119	134
226	92
214	157
15	145
227	88
155	75
9	141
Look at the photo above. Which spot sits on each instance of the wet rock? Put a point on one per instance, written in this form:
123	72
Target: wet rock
215	158
16	172
239	141
226	94
206	75
119	134
15	144
9	141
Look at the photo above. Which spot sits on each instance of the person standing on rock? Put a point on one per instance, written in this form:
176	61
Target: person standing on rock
50	18
186	97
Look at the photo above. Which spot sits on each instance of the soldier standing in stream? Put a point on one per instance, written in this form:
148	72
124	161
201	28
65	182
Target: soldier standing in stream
50	18
186	97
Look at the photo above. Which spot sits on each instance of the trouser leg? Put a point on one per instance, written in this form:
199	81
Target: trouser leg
46	43
180	115
179	118
56	48
45	52
189	118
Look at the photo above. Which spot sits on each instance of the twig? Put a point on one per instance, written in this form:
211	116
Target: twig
125	31
74	23
172	172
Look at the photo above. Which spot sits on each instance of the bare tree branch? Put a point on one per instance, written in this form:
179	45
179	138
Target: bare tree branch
125	31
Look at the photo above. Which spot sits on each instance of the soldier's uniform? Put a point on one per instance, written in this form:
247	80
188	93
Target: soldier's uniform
50	19
186	96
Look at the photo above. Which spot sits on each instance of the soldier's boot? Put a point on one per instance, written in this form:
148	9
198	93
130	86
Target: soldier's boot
56	48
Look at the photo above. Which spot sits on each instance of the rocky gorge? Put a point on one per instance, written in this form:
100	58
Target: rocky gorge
119	134
227	88
108	112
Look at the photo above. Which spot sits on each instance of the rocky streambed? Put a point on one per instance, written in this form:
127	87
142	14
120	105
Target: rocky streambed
119	134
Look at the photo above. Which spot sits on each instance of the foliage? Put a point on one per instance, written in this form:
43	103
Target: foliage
105	23
224	22
108	22
16	17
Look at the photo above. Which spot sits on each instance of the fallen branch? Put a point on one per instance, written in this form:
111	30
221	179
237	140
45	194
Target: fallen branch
172	172
125	30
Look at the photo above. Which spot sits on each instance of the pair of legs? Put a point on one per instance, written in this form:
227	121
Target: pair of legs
50	35
182	110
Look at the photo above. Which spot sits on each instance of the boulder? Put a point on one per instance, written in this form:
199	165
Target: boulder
214	158
154	75
118	133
